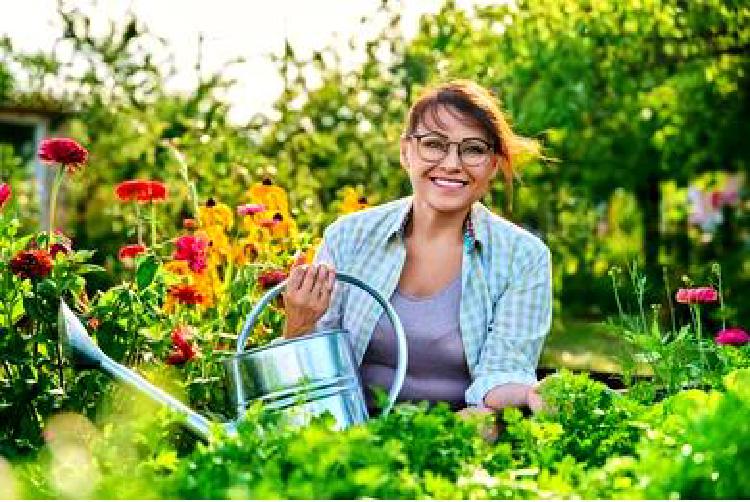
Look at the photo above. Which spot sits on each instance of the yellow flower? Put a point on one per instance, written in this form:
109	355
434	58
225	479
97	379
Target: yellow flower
216	214
273	197
353	201
313	250
218	241
245	251
177	267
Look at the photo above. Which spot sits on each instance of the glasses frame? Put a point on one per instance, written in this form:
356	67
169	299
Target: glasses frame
419	138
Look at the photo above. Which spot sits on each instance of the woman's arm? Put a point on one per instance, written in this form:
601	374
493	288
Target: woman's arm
506	372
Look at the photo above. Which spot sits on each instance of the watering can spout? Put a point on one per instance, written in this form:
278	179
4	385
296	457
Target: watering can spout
82	350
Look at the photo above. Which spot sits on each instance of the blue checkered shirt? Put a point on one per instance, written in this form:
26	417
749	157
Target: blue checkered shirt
506	295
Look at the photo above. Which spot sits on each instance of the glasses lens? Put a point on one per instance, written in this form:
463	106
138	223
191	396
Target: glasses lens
474	152
433	148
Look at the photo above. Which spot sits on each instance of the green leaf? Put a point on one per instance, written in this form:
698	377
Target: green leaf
88	268
146	272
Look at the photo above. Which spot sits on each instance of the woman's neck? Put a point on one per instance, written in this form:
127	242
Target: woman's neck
426	224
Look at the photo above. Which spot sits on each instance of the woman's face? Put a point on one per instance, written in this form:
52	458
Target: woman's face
448	185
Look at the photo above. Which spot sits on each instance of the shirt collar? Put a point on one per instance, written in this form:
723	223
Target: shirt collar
475	232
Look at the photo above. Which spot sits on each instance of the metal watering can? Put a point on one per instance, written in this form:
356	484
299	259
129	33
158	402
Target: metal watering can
303	376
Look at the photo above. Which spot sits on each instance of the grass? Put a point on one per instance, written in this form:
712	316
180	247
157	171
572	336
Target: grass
583	345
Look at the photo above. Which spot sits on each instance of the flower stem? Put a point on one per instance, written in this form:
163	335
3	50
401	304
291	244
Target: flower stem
53	202
138	223
153	226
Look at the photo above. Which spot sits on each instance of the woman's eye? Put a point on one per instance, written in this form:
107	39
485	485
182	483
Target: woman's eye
475	149
434	143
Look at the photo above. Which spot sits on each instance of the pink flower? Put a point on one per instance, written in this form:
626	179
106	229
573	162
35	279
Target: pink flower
5	193
697	295
63	151
732	336
192	249
250	209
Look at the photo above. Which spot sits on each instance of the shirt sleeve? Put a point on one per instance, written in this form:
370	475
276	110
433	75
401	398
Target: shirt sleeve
520	323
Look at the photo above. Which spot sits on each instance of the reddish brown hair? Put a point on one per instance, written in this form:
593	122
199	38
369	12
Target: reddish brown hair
479	106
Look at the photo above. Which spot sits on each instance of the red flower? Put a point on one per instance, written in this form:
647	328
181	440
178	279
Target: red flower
250	209
183	350
131	251
141	191
192	249
32	264
187	294
271	278
732	336
64	151
5	193
697	295
189	223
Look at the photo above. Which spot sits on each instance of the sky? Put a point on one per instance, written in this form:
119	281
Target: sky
231	28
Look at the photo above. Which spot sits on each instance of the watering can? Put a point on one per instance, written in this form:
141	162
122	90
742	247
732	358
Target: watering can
302	376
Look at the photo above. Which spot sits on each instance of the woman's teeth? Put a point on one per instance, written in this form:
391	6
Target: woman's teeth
447	183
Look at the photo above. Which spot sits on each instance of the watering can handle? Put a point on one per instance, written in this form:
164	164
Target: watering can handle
398	380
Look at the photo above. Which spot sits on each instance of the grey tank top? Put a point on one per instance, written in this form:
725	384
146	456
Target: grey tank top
437	369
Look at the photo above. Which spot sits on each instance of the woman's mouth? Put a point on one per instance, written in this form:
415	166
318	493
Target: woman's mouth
448	183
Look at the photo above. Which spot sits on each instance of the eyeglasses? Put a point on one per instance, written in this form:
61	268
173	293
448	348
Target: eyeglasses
433	147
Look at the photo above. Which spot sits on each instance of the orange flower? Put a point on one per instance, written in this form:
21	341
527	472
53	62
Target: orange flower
273	197
177	267
216	214
352	201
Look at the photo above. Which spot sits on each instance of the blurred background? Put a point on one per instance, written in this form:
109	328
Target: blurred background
641	106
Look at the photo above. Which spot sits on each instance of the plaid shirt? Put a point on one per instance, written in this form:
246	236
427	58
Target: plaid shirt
506	295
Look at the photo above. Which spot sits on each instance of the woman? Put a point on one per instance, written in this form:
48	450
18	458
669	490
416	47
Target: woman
472	289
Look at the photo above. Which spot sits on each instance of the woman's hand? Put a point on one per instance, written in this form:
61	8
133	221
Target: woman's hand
307	296
534	400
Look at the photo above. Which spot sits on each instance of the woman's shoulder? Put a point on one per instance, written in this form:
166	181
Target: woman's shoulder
373	222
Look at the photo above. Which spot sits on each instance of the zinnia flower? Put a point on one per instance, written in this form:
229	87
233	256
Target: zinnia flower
193	250
183	350
187	294
271	278
189	223
250	209
131	251
64	151
5	193
93	323
732	336
33	264
697	295
141	191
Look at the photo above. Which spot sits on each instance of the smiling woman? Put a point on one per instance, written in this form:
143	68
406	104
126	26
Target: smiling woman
472	289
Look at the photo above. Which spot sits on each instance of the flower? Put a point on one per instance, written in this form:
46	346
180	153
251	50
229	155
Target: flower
245	251
189	223
32	264
64	151
697	295
271	278
352	201
58	247
216	214
732	336
250	209
94	323
183	350
131	251
187	294
273	197
5	193
177	267
141	191
193	250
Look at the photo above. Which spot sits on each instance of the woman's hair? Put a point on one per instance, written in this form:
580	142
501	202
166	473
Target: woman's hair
479	106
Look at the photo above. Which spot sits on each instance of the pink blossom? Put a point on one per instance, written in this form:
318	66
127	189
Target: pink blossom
732	336
697	295
193	250
250	209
